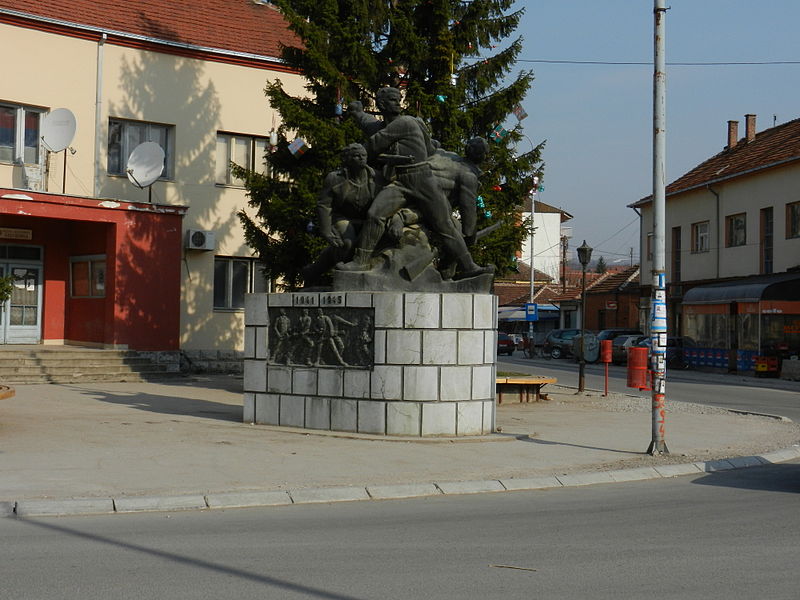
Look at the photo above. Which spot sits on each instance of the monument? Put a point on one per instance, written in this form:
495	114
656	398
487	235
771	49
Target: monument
402	342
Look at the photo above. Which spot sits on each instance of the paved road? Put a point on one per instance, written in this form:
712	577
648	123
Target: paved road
736	392
723	535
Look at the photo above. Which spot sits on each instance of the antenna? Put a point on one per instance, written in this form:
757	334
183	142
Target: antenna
145	165
58	129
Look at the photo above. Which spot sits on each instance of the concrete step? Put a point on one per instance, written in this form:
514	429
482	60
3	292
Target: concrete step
74	365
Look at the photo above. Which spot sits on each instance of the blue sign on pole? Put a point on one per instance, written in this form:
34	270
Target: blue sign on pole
531	312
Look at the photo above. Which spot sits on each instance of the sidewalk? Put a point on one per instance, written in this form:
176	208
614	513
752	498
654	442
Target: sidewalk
67	449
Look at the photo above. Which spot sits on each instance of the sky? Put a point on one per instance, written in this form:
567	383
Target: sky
597	120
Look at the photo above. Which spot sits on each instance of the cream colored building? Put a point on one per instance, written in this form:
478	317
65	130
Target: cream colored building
189	77
733	248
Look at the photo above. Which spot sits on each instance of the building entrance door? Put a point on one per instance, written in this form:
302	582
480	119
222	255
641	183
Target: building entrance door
21	315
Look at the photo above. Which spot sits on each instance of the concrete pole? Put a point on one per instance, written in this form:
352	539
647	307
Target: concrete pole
531	345
658	300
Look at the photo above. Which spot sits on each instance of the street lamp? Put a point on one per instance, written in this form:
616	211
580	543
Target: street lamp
584	257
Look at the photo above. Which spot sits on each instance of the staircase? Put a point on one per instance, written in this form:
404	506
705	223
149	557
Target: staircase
74	364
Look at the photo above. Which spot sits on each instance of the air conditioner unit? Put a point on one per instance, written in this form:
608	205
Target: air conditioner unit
200	240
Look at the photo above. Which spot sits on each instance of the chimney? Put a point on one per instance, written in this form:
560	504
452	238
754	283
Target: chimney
750	127
733	133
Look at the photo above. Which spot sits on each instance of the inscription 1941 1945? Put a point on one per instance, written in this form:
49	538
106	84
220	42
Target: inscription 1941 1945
322	337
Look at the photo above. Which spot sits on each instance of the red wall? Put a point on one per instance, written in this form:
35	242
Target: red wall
142	244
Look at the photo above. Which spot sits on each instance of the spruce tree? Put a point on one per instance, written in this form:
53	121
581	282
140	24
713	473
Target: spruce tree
452	60
601	266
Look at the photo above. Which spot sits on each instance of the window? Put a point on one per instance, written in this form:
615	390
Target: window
19	134
124	136
233	278
700	237
676	254
650	239
793	220
88	276
735	230
244	150
766	249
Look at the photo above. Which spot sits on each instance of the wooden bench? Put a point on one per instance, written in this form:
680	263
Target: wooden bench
522	389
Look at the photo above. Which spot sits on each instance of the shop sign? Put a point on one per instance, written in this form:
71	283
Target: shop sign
12	233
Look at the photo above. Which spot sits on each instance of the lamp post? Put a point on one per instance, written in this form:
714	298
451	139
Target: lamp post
584	257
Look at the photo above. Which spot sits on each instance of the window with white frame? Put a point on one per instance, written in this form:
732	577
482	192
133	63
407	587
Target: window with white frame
233	278
793	220
650	242
124	136
244	150
700	237
87	276
19	134
736	230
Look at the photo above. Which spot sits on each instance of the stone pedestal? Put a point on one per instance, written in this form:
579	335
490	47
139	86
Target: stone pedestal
431	371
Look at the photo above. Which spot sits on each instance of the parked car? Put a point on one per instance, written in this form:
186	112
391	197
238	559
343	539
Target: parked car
615	332
675	349
620	345
505	345
558	342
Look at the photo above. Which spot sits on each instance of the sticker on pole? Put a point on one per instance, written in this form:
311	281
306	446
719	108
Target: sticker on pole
531	311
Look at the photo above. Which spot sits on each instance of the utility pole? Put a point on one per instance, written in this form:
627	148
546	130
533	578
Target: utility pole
658	299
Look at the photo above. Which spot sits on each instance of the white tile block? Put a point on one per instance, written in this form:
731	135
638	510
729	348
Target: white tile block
439	418
255	309
422	311
489	345
388	309
483	384
279	380
362	299
292	411
278	300
439	347
489	412
356	383
380	346
403	418
485	311
249	342
318	413
403	347
371	416
330	382
261	342
457	311
304	382
344	414
249	408
386	383
455	383
255	376
469	418
267	409
470	347
421	383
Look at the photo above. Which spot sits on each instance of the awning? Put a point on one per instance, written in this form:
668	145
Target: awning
517	313
783	286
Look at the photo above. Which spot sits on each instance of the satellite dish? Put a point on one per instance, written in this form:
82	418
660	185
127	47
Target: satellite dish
145	164
58	129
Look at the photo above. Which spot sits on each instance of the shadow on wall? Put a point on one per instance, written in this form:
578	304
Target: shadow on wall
157	88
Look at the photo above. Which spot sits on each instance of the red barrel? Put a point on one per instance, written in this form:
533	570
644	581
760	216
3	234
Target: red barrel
605	351
637	368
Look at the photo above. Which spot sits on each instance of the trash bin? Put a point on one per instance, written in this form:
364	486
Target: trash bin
637	368
605	351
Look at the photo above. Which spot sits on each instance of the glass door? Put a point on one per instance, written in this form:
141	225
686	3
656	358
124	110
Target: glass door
20	319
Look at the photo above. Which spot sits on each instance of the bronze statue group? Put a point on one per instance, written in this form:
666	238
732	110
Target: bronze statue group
388	212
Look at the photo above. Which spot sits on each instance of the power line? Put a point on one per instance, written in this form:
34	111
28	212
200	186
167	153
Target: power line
649	63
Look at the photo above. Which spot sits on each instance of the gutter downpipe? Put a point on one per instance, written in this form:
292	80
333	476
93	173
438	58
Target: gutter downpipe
98	112
719	227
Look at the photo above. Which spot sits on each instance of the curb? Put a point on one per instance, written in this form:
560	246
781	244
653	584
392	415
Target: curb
51	507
